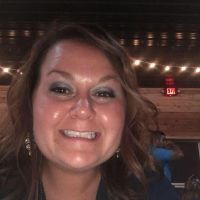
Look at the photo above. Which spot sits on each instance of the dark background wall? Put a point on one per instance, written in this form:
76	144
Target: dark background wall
167	32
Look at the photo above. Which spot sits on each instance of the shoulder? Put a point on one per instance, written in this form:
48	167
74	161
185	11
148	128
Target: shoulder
160	188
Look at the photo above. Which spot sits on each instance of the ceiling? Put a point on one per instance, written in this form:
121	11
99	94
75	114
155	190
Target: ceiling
165	32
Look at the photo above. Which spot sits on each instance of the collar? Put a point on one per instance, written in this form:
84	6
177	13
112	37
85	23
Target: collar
101	193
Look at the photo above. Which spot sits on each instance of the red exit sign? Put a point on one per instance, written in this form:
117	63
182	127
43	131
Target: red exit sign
170	91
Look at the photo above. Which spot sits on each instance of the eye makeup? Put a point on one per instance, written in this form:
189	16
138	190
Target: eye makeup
104	92
61	89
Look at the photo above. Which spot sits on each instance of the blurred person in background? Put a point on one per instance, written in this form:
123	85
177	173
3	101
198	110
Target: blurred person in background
164	151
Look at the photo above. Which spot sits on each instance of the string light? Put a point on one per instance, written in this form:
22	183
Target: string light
19	72
163	67
6	70
167	68
197	70
137	62
10	70
183	68
152	65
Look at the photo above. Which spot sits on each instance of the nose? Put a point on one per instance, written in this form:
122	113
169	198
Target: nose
82	109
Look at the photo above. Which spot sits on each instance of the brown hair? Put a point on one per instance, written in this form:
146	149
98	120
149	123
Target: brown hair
17	167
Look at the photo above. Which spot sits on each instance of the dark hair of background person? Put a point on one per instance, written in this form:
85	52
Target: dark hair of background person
157	138
21	172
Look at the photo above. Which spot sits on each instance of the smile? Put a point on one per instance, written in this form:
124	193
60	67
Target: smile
90	135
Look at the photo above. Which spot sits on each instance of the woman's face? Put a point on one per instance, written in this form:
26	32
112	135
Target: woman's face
78	107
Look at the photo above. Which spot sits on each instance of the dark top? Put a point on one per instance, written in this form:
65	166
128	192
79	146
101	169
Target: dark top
162	189
159	189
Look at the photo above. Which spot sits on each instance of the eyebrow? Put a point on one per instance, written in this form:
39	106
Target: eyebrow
62	73
109	77
69	76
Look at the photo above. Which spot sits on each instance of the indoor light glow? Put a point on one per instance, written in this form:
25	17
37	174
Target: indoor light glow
152	65
167	68
183	68
197	70
137	62
6	70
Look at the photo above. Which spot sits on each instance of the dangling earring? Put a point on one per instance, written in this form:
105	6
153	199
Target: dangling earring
28	145
117	153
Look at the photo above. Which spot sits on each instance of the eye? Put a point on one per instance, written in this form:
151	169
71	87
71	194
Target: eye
104	93
60	89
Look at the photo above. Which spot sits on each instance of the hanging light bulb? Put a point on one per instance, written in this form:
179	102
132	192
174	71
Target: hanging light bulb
137	62
152	65
167	68
197	70
19	72
183	68
6	70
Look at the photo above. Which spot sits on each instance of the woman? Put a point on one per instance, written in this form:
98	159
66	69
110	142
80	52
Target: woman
77	128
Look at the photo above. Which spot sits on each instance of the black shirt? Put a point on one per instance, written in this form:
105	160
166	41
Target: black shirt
158	189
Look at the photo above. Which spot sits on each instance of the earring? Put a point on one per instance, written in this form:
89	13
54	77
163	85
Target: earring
117	153
28	145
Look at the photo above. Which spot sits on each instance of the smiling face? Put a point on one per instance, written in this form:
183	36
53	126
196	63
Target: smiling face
78	107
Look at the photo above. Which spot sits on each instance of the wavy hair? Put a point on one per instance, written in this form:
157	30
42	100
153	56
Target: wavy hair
20	173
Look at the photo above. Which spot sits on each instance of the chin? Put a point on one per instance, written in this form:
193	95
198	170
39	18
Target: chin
79	164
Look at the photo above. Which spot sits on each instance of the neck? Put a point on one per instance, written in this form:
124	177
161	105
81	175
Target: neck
65	184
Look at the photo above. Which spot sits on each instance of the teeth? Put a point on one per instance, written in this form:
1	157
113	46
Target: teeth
77	134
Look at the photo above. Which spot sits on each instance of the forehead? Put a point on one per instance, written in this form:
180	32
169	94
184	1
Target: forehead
71	54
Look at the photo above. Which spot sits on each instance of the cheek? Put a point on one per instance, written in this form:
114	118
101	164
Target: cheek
45	112
113	116
113	120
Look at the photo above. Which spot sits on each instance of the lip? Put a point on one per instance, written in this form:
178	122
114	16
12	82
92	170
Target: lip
80	135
